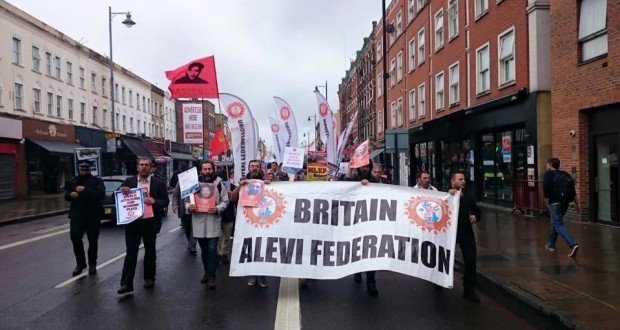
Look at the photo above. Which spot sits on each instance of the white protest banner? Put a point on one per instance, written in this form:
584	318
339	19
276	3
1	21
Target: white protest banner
285	113
192	123
188	182
328	230
129	207
243	133
293	158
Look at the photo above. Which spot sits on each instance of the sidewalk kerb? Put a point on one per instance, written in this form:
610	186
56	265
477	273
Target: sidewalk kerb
32	217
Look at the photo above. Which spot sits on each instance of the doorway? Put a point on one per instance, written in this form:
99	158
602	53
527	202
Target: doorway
606	173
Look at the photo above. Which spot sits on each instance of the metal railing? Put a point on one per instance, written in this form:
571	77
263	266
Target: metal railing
528	197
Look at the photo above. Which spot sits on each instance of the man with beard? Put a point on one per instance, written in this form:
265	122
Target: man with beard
145	228
85	193
424	181
207	226
364	176
254	173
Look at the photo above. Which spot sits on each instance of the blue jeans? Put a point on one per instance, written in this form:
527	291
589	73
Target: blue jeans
208	253
557	226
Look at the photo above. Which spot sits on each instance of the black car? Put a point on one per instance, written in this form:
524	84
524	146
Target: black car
112	183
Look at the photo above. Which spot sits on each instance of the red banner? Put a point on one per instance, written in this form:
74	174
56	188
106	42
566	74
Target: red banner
360	156
196	79
218	144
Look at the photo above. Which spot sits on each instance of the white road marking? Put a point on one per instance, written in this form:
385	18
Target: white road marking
175	229
288	312
51	229
34	239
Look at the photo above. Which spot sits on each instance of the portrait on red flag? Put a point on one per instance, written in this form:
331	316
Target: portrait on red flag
196	79
192	75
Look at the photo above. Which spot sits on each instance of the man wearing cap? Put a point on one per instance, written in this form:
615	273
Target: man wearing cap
85	193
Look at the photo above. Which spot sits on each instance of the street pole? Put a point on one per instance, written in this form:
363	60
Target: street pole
111	70
385	90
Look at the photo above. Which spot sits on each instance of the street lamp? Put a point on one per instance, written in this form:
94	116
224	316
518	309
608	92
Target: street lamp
128	23
314	128
316	88
307	136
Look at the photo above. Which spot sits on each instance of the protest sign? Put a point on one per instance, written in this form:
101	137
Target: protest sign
188	182
252	193
129	207
206	197
293	159
360	156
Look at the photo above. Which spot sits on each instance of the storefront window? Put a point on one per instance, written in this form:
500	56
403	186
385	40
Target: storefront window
504	157
424	160
455	157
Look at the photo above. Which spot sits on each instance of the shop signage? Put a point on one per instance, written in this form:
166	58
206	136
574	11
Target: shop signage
179	147
36	129
112	135
154	148
111	145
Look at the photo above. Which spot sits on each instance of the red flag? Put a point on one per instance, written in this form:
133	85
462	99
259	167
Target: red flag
196	79
218	144
360	156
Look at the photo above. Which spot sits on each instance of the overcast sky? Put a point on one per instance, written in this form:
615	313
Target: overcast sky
262	48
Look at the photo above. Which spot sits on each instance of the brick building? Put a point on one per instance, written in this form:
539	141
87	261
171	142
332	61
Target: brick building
585	44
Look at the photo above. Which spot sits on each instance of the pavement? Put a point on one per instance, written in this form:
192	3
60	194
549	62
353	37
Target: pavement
579	293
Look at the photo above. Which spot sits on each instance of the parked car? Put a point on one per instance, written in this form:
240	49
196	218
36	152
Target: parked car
112	184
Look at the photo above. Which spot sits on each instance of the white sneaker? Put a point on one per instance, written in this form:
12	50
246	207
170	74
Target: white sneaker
573	251
549	248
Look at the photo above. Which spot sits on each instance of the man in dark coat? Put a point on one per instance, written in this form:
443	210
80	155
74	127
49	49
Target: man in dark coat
469	214
364	175
85	193
145	228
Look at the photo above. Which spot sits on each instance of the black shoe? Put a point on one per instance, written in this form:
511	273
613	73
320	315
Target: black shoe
125	289
149	284
371	288
78	270
211	283
357	278
92	269
471	296
204	279
192	250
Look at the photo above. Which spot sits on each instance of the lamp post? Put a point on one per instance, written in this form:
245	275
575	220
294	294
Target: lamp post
307	136
128	23
314	127
316	88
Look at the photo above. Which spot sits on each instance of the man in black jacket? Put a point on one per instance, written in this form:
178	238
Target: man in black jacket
364	176
85	193
145	228
469	214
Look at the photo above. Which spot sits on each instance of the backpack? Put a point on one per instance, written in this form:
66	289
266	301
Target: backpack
563	188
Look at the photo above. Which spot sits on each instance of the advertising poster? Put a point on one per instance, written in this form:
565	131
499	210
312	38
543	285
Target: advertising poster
192	123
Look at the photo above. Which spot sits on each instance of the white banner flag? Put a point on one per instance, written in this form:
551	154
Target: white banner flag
192	123
278	138
285	114
328	230
342	141
241	124
328	131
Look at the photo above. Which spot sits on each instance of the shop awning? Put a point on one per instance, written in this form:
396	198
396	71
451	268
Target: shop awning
180	156
136	148
56	146
376	153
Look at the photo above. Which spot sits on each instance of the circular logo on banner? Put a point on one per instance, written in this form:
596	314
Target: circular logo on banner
235	110
432	214
269	210
275	128
323	110
285	113
130	213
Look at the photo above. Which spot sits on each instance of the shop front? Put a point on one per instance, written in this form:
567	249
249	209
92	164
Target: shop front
10	137
49	154
180	153
163	161
92	138
127	152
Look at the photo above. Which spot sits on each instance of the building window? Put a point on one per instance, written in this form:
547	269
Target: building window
57	67
69	73
379	84
143	126
482	64
93	82
94	115
130	98
144	103
399	66
454	84
439	30
399	23
117	121
593	28
116	94
131	125
83	112
411	61
124	123
36	96
123	95
393	72
393	114
399	112
103	84
48	64
379	49
50	103
421	101
36	59
82	78
507	57
421	4
453	19
412	105
421	47
17	51
137	101
18	97
380	121
58	106
439	91
482	6
70	108
105	118
411	11
392	35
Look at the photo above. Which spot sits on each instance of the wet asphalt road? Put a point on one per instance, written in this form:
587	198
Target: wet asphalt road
34	293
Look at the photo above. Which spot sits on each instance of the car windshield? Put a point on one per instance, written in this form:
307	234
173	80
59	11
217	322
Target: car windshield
112	185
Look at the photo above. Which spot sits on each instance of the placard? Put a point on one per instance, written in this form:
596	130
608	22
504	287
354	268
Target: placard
252	193
129	207
206	197
188	182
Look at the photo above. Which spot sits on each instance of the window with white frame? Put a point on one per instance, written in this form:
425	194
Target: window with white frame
81	77
453	19
131	125
421	4
58	105
57	67
379	121
70	108
50	103
411	11
454	84
123	95
124	123
69	73
392	35
399	112
439	91
411	62
95	115
131	99
392	72
137	101
593	28
93	82
36	97
421	48
439	30
399	23
507	57
36	59
393	114
83	112
482	65
138	126
399	66
421	101
48	64
105	118
18	96
116	93
143	126
17	51
104	82
481	7
379	49
412	105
